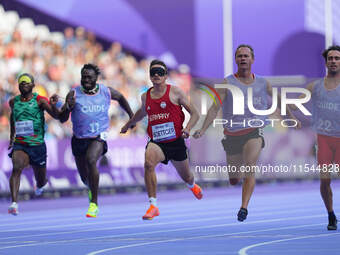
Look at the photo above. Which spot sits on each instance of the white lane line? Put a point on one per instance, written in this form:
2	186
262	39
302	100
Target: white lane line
165	205
80	211
189	209
174	230
244	250
105	222
153	224
196	237
77	213
190	212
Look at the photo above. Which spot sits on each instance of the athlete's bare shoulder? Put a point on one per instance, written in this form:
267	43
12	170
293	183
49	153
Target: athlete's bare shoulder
310	86
143	96
222	91
176	90
177	95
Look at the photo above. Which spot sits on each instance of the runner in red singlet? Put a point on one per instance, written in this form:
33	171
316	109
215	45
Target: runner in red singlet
163	105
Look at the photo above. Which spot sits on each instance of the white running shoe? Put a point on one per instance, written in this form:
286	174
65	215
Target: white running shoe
13	209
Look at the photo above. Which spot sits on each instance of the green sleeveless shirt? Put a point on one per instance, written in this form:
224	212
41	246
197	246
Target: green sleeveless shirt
29	121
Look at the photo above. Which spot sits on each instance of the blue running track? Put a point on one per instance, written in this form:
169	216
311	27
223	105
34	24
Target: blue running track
284	219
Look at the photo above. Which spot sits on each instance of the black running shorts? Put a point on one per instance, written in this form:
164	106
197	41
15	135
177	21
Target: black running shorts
234	144
80	146
175	150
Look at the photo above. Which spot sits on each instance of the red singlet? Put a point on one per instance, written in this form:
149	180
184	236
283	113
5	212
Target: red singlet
165	119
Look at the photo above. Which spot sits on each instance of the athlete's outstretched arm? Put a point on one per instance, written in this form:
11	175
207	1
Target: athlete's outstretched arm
310	87
194	117
12	125
50	107
211	114
67	108
116	95
139	115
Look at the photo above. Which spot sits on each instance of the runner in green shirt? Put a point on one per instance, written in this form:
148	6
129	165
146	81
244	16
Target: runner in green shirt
27	136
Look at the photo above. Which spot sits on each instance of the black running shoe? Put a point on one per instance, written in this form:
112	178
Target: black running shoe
332	223
242	214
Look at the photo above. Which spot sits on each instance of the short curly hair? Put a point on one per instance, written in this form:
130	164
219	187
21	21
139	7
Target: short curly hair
91	66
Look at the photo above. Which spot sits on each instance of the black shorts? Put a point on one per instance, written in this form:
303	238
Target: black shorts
175	150
234	144
80	146
37	154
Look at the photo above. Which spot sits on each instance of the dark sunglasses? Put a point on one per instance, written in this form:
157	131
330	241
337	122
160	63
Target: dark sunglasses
157	70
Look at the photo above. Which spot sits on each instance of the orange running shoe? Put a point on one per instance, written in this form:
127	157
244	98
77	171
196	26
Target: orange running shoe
197	191
151	213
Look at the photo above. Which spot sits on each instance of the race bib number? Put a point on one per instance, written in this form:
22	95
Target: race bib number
24	128
324	125
94	127
163	132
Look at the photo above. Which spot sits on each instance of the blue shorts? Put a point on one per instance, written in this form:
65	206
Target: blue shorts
37	154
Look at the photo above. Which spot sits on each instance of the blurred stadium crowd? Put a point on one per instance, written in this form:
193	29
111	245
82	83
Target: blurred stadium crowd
55	60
